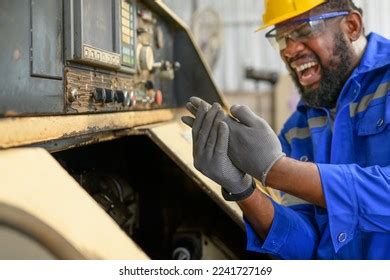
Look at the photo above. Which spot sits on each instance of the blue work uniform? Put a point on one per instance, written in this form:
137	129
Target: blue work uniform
352	152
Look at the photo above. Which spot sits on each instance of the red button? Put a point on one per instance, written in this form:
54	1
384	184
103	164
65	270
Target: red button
158	99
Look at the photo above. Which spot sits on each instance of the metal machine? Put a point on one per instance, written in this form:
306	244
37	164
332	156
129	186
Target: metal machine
94	162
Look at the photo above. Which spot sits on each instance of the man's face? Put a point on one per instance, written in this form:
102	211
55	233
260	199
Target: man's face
320	65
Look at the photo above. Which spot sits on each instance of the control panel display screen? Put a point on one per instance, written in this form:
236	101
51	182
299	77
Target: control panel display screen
98	29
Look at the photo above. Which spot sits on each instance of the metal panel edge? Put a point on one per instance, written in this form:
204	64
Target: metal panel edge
77	218
182	25
23	131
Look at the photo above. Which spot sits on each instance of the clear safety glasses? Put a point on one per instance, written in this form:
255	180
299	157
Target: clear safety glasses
300	30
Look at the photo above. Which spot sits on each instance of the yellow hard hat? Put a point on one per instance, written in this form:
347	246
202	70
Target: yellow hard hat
277	11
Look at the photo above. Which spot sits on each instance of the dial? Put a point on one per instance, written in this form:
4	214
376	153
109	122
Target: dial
145	57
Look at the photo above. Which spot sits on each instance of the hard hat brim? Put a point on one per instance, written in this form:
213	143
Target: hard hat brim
284	18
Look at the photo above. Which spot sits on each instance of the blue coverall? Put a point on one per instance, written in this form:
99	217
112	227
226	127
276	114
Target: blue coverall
352	152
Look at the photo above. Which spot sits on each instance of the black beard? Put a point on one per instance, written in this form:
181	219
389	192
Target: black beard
333	77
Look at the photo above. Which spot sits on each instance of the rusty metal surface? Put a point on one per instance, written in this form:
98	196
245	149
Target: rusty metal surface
16	132
85	140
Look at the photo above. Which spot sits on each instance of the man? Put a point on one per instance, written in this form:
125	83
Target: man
333	152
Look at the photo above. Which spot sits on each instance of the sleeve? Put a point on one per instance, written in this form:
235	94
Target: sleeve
293	234
357	199
285	145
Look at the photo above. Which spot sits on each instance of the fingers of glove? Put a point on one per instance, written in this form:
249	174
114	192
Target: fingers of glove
200	115
214	131
244	114
236	129
222	142
188	120
191	108
207	125
196	102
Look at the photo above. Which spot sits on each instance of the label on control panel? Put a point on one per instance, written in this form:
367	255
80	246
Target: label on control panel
97	56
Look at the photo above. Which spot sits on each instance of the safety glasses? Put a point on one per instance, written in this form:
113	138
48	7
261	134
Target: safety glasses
300	30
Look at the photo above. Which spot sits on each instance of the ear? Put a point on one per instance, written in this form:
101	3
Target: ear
353	26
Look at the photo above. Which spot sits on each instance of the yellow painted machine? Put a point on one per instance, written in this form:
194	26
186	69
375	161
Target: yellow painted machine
94	162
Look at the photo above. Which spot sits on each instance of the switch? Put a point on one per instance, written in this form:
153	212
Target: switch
122	96
149	85
72	94
158	98
99	94
109	95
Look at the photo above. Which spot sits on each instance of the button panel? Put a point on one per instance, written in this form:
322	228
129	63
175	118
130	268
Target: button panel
128	33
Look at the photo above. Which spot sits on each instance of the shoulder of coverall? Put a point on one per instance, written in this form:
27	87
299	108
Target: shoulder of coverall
376	55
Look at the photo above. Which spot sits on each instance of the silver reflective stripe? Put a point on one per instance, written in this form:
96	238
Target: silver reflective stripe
317	122
356	108
300	133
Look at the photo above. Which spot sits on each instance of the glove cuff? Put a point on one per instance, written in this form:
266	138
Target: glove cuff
239	196
265	173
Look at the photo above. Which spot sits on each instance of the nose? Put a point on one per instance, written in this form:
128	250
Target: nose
292	48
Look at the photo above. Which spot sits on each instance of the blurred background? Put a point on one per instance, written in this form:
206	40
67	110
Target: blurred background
246	68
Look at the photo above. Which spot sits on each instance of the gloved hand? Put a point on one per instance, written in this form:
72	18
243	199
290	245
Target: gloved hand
253	145
210	137
193	106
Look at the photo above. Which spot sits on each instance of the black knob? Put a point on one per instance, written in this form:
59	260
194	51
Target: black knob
99	94
110	95
122	96
149	85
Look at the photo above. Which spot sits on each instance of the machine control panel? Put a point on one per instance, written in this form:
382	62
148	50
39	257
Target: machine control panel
137	74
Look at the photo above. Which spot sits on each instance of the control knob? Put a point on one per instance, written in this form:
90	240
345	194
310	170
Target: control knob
145	57
110	95
99	94
124	97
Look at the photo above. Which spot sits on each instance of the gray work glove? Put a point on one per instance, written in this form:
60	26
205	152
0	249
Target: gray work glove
210	137
253	145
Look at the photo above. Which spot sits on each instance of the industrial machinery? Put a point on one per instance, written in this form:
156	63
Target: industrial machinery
94	162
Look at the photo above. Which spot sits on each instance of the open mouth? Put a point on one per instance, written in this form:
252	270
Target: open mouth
308	74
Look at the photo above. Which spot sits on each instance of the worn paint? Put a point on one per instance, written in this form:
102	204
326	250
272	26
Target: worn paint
20	131
17	54
77	217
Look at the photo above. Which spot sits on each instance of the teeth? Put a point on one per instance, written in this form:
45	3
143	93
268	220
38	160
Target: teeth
306	66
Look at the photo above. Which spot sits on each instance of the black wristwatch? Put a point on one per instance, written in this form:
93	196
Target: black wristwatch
239	196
